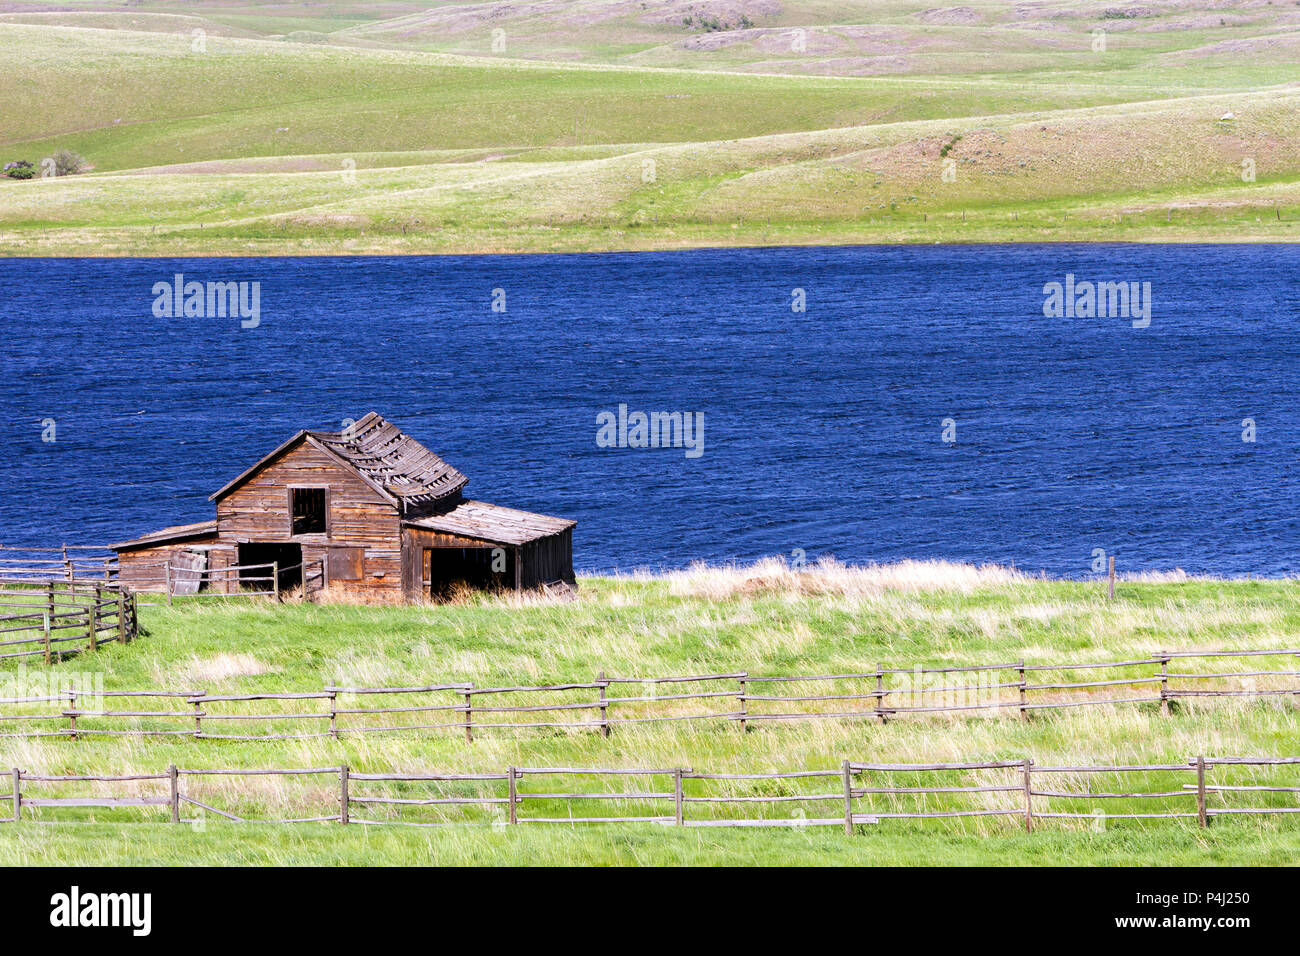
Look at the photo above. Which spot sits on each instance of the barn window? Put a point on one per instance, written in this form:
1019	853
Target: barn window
308	510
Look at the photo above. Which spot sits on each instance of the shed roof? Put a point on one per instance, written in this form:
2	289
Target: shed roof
493	523
385	457
180	532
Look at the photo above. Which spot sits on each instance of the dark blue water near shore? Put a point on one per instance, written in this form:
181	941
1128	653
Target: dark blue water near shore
822	429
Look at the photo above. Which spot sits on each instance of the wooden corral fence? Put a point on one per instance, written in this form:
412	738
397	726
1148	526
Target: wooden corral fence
237	581
855	794
67	562
47	620
745	700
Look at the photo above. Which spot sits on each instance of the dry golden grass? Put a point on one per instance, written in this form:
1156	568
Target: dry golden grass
199	672
828	577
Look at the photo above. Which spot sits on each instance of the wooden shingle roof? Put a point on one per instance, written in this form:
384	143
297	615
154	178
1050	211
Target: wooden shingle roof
182	532
493	523
386	458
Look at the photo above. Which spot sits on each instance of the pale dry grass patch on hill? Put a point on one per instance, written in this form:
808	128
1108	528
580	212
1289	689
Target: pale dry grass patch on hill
828	577
199	672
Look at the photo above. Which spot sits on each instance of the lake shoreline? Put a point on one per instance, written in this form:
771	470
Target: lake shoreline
349	249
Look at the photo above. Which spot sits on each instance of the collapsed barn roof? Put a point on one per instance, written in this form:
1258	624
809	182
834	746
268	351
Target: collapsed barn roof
386	458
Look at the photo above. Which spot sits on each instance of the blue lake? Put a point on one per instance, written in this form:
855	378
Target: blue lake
823	430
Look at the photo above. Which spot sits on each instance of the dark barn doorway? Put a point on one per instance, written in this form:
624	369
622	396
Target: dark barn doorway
454	569
256	554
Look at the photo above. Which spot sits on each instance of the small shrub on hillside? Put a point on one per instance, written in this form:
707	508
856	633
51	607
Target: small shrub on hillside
68	163
20	169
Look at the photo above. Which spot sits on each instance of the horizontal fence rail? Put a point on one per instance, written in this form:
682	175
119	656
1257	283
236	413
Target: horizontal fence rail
67	562
603	704
245	580
1018	792
59	618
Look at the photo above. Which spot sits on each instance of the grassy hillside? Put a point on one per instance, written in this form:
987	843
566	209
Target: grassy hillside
688	623
606	125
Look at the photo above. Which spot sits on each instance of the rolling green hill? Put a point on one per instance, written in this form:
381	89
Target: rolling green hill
607	125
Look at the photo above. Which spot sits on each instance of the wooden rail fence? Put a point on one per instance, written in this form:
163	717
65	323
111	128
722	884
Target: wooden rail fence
68	562
58	613
606	703
854	794
234	581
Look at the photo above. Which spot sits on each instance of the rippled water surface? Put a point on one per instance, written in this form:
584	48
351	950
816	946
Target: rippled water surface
822	430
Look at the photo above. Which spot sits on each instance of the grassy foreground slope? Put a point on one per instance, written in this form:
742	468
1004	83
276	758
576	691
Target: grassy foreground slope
606	125
772	623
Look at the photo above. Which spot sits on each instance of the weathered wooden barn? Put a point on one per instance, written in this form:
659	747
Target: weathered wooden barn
368	511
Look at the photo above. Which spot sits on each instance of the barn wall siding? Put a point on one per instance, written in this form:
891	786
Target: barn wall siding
145	568
415	569
359	517
548	559
543	560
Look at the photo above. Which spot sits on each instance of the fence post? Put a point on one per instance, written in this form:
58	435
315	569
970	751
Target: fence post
469	717
17	796
45	627
343	794
1110	578
121	615
168	566
275	579
334	709
1201	816
677	796
880	693
1024	711
1029	795
67	565
744	702
604	717
72	711
198	715
511	776
92	619
847	774
173	779
1164	684
49	616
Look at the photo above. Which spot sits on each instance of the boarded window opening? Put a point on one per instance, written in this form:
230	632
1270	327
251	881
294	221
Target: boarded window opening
308	510
345	564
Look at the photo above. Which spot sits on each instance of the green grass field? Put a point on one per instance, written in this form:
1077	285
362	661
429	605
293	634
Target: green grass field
605	126
699	622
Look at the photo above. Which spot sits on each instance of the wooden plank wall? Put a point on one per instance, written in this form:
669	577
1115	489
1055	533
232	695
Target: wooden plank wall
549	559
143	568
258	510
415	566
